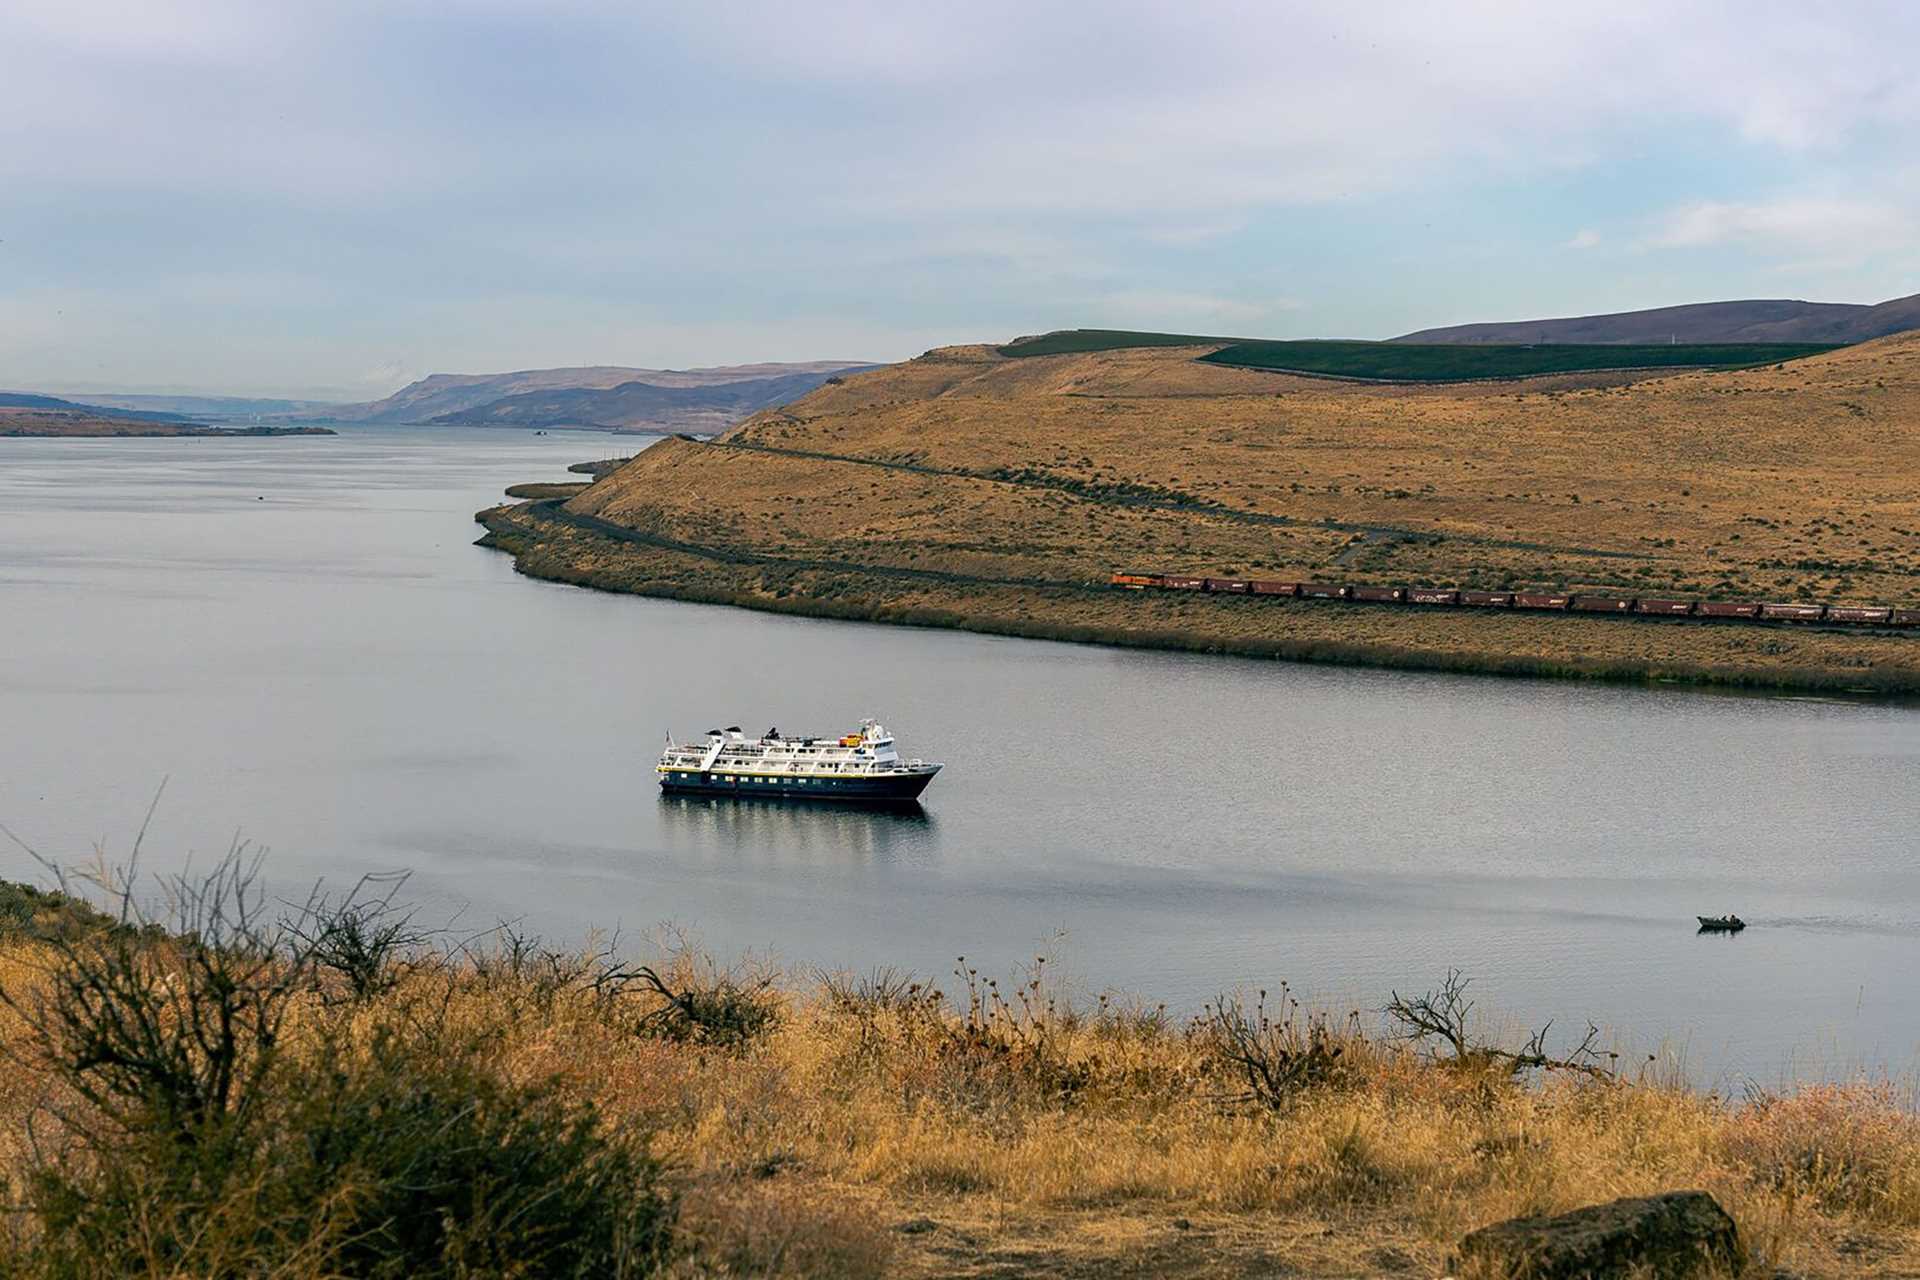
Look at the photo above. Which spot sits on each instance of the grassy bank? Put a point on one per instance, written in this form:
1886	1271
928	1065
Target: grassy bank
1559	647
546	490
383	1102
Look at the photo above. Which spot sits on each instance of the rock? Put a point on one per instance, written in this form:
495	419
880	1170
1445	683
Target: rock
1675	1236
916	1226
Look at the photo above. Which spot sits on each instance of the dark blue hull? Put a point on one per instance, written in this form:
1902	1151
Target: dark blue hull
890	788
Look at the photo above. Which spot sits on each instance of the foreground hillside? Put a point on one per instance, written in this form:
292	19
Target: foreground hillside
317	1090
967	488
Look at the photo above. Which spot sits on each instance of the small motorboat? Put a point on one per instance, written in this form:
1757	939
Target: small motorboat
1721	924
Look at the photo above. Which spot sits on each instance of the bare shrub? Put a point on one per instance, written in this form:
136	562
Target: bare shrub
702	1004
167	1031
1443	1015
218	1113
365	942
881	1008
522	970
1026	1039
1276	1055
882	988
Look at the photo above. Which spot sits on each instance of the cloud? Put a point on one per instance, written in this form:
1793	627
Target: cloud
1182	235
1794	224
307	187
1150	307
1119	106
1586	239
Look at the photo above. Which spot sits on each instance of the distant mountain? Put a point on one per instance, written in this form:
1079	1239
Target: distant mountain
1768	320
225	407
26	400
636	405
443	395
81	422
25	414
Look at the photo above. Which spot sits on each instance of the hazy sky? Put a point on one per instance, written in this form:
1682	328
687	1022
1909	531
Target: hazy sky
332	198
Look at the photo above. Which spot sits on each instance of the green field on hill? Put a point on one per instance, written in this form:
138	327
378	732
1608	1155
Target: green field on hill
1424	362
1456	362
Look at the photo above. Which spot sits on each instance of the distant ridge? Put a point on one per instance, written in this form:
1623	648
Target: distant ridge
26	400
445	396
636	405
209	407
1757	320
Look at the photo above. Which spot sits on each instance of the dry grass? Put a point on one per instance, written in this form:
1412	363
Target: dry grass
1788	482
874	1128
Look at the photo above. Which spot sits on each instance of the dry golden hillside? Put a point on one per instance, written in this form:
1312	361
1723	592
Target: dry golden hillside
945	483
509	1109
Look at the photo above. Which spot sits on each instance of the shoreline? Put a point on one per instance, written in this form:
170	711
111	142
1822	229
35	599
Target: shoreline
570	551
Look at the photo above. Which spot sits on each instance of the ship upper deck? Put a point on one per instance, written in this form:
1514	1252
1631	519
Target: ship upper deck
870	749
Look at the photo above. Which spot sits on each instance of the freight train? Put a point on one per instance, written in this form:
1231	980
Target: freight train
1553	601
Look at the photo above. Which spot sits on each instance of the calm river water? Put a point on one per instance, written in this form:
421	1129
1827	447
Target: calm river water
299	637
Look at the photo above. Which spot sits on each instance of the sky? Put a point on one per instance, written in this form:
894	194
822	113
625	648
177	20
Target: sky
331	199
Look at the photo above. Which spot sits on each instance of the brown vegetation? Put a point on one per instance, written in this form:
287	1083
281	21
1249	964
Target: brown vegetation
1792	482
831	1126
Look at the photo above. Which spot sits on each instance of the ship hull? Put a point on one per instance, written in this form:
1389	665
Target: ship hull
893	787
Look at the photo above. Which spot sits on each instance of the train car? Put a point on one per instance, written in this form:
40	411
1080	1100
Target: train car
1602	604
1488	599
1324	591
1726	609
1540	600
1230	586
1432	595
1858	613
1380	595
1665	608
1130	581
1181	582
1793	612
1269	587
1905	618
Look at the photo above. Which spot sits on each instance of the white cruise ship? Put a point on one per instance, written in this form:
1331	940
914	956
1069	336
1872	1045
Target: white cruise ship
862	765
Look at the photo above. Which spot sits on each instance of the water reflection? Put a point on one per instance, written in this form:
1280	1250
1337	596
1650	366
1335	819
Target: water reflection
770	832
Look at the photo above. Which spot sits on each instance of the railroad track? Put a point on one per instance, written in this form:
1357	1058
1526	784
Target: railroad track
553	511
